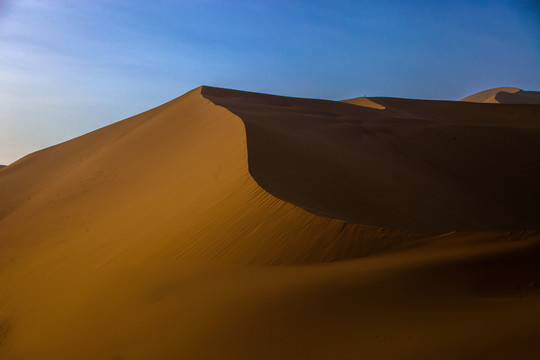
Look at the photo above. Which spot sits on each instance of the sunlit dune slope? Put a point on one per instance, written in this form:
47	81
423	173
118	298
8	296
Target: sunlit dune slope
149	239
505	95
418	165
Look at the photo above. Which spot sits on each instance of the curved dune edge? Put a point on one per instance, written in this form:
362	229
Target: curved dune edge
505	95
489	96
146	240
430	166
365	102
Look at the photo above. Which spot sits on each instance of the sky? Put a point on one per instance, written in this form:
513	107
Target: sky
68	67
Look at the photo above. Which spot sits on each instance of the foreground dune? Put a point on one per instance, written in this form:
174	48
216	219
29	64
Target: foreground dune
173	235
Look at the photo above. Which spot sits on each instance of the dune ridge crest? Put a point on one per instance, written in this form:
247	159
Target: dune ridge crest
197	173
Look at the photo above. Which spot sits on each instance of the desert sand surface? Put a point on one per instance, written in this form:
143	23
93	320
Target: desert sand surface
180	233
505	95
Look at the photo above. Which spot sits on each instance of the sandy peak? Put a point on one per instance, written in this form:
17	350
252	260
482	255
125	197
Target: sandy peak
489	96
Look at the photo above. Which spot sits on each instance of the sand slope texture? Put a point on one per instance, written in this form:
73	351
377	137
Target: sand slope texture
219	226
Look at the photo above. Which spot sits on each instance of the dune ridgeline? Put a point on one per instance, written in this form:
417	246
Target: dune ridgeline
235	225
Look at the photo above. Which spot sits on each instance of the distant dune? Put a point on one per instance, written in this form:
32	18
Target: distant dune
268	227
364	101
505	95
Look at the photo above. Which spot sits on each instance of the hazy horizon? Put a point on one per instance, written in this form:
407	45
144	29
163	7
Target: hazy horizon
68	68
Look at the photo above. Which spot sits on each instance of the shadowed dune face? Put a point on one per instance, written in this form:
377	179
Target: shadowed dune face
418	165
505	95
518	97
188	258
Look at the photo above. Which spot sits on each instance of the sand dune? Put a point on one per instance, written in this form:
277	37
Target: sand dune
505	95
418	165
207	251
364	101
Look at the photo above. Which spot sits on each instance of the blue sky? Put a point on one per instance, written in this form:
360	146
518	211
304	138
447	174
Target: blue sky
70	66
